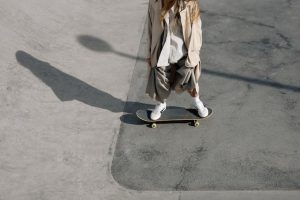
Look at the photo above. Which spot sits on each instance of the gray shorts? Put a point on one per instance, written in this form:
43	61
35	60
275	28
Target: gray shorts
162	80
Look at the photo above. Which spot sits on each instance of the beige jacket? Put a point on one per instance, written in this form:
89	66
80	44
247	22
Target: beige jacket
192	34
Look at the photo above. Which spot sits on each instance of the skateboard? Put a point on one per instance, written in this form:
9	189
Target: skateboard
173	115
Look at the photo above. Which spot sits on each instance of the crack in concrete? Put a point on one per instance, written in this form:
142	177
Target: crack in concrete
290	3
286	39
259	43
264	40
238	18
179	197
188	165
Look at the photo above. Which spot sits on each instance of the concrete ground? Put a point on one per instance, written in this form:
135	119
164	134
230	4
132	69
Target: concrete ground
68	88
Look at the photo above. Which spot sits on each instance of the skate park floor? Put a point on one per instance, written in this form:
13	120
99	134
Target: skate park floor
73	75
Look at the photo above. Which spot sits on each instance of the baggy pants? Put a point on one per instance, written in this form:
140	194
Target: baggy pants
175	76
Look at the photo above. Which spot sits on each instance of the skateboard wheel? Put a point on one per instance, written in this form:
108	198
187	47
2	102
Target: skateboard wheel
196	123
153	125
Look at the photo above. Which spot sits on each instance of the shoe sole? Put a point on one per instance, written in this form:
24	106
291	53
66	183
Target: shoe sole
198	111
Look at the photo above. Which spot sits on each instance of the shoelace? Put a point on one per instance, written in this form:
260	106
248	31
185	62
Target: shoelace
160	108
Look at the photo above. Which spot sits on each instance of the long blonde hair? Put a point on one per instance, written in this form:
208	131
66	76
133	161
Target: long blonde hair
168	4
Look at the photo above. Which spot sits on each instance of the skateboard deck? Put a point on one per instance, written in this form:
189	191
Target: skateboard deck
173	115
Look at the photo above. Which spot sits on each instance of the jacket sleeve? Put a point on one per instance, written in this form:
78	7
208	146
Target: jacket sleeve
200	33
198	28
198	23
195	43
148	32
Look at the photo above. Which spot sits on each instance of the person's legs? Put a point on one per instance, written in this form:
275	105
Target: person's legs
163	81
198	104
192	87
164	77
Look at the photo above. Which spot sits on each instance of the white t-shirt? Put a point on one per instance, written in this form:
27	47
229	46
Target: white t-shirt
174	48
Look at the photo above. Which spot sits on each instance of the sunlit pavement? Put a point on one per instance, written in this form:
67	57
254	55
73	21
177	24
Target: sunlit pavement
73	75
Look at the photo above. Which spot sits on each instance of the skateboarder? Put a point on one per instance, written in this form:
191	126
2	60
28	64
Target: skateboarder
173	52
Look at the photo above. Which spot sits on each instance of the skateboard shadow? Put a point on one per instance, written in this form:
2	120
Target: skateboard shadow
67	88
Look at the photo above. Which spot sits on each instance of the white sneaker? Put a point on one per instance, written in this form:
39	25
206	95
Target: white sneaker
159	108
202	110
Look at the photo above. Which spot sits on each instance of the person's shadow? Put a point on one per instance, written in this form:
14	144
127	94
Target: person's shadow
67	88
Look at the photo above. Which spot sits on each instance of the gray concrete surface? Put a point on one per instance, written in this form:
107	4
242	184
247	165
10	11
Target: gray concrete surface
65	76
251	80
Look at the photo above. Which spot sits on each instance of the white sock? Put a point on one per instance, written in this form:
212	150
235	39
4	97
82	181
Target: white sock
160	103
198	102
196	99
